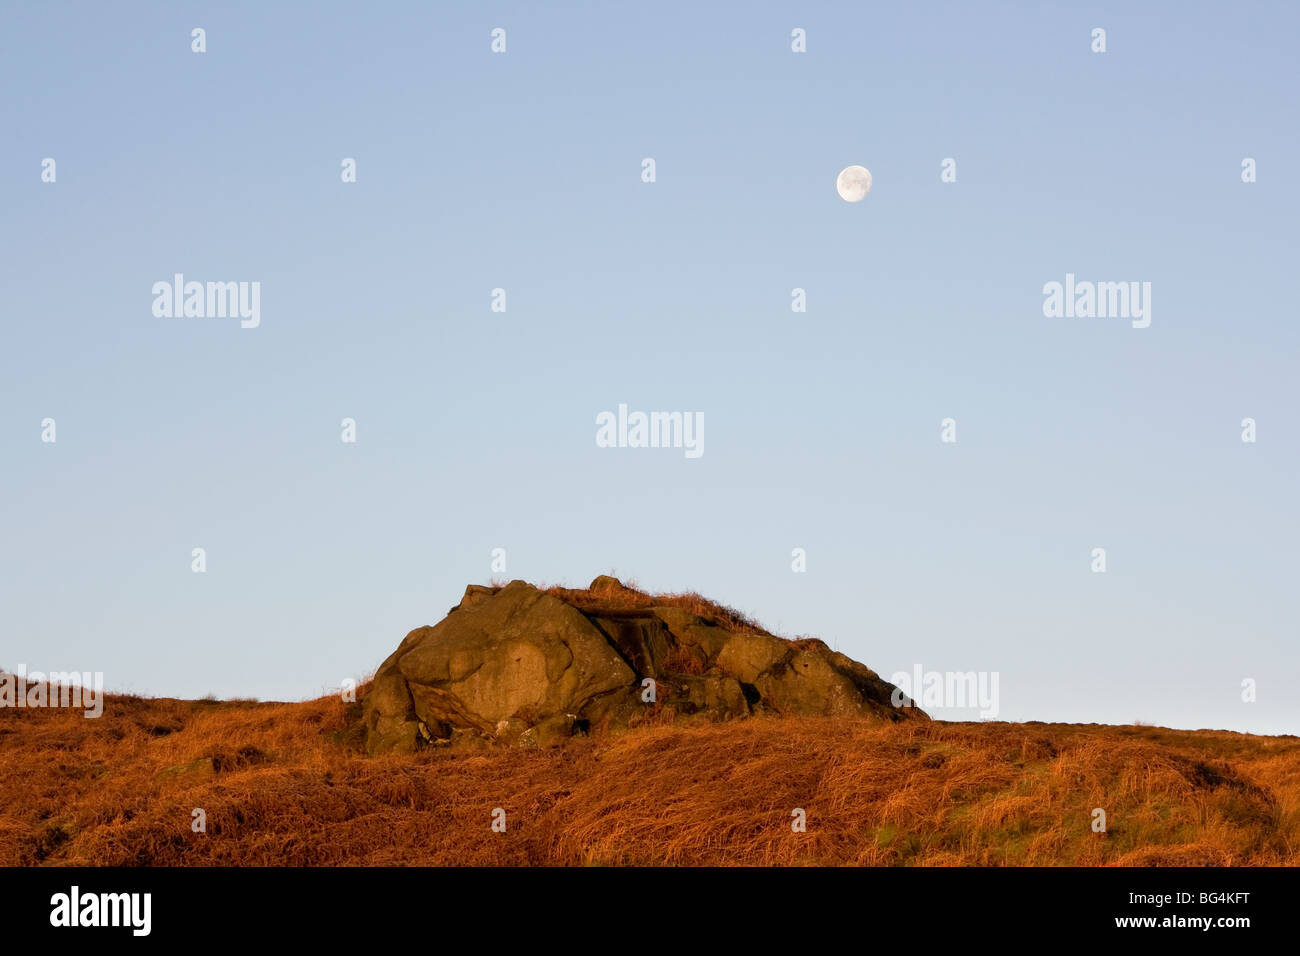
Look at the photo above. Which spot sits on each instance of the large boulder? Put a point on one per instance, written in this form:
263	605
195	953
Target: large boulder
531	667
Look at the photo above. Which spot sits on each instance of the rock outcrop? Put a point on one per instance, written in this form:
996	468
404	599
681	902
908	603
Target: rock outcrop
523	666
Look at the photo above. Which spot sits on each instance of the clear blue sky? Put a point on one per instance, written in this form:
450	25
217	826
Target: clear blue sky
476	429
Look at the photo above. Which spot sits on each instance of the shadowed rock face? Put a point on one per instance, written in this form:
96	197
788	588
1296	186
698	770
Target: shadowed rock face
518	665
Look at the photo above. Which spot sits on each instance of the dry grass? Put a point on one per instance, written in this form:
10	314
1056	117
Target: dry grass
630	598
284	784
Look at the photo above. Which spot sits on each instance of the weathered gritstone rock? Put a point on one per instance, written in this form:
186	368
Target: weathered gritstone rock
519	665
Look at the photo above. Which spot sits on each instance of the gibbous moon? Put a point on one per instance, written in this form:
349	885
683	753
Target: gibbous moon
854	183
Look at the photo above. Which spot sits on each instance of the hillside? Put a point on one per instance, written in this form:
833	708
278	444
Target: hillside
289	784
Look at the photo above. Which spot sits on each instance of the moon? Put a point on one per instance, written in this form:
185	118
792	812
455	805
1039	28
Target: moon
853	183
